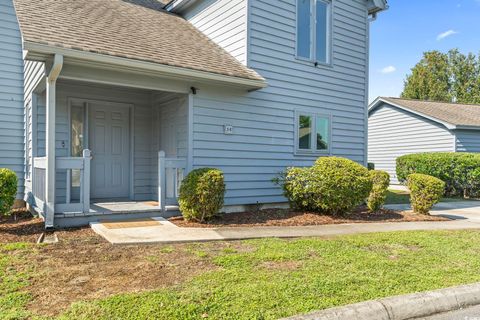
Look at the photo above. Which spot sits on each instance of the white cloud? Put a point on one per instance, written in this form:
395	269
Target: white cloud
445	34
389	69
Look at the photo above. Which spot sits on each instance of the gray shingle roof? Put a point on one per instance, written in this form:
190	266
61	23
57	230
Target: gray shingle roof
134	29
456	114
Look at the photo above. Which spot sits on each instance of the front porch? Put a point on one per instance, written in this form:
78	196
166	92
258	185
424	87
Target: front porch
118	151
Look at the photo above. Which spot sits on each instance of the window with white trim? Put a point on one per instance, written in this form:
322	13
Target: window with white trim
313	30
313	133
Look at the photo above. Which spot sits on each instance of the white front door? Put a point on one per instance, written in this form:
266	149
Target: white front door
109	141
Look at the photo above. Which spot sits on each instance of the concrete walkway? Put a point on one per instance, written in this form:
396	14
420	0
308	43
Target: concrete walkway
466	215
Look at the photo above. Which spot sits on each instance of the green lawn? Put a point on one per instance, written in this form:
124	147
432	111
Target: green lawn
402	197
13	299
272	278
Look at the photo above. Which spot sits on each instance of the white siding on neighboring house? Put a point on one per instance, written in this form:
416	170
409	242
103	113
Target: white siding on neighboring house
394	132
12	144
263	139
467	140
224	22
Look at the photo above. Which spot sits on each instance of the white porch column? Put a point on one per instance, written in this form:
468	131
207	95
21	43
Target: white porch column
161	180
50	140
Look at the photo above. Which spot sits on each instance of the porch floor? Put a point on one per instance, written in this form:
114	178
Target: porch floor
104	206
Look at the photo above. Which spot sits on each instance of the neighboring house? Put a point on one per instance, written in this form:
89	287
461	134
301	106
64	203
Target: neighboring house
124	97
400	126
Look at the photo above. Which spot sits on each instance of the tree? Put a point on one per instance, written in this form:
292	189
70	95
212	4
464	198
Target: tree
447	77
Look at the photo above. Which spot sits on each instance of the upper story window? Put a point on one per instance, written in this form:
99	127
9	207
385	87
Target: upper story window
313	30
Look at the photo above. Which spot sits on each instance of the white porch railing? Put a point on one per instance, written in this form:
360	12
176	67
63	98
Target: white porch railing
171	172
82	164
39	178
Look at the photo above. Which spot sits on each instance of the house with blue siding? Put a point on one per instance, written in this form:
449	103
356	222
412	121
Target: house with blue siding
402	126
12	133
122	98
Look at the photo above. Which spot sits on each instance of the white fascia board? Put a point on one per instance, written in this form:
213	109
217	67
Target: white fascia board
43	52
379	101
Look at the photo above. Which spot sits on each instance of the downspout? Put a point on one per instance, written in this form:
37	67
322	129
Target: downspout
50	140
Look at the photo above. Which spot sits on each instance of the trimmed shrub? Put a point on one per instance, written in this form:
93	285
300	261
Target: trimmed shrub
380	184
332	185
8	190
459	171
425	191
201	194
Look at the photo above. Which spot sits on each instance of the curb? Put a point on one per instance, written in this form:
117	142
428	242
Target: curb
404	307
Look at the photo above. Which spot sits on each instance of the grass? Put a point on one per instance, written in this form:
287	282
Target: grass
278	278
272	278
13	297
403	197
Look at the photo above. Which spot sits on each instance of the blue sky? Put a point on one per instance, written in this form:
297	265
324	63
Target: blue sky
408	28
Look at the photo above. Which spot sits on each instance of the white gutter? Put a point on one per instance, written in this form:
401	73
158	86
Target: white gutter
41	51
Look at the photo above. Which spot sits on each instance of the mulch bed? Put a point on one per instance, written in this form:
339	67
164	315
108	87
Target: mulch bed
23	227
20	227
287	217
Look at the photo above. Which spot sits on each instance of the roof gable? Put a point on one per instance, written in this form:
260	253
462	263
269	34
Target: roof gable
134	29
451	115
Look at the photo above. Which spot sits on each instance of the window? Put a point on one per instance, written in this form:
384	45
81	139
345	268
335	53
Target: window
77	139
313	133
313	30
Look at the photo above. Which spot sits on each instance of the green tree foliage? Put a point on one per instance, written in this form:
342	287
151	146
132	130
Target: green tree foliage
447	77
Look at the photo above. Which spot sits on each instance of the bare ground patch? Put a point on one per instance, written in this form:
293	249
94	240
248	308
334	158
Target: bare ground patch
83	266
88	268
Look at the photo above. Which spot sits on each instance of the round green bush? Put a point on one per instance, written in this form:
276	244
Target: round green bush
425	192
201	194
8	190
459	171
332	185
381	182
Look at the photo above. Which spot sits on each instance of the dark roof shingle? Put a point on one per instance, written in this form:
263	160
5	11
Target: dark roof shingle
135	29
453	113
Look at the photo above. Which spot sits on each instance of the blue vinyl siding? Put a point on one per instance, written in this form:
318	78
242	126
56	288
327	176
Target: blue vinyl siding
12	144
467	140
263	139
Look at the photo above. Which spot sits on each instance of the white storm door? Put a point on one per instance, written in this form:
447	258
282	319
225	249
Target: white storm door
109	141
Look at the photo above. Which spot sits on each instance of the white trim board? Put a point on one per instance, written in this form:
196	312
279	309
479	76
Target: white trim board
42	52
